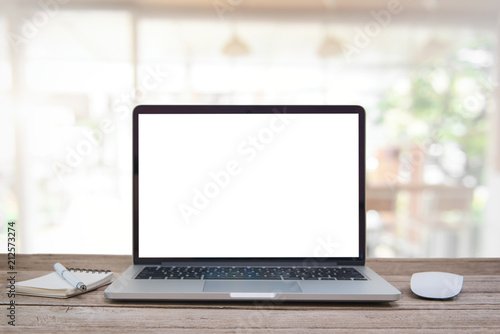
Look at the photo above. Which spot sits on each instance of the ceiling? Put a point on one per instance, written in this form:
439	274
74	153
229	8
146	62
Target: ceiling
482	12
450	6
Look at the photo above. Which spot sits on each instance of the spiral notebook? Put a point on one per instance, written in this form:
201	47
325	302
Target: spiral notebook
53	285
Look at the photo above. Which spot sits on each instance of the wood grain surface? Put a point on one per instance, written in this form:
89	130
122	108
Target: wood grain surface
475	310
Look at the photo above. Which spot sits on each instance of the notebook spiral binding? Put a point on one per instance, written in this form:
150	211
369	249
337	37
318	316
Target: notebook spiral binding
92	271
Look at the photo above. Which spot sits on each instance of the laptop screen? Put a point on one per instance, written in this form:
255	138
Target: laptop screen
248	185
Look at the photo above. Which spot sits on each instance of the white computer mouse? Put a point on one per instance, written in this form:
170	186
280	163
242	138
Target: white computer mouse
436	285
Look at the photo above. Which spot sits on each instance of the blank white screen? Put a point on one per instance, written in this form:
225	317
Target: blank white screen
248	185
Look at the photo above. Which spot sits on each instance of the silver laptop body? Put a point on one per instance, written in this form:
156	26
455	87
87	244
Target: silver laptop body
249	203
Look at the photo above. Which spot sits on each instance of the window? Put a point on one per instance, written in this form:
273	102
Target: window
8	201
75	183
67	96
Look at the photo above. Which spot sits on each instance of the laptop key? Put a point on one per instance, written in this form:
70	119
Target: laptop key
245	273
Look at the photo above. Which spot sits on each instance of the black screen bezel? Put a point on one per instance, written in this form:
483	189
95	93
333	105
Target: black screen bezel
259	109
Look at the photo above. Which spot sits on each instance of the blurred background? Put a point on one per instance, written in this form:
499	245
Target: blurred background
426	71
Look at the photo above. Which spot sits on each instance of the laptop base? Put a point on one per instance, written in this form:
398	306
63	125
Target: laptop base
375	289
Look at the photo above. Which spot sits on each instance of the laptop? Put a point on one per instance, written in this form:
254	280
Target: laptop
249	203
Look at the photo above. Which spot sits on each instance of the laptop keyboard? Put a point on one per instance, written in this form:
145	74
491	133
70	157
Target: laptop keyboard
263	273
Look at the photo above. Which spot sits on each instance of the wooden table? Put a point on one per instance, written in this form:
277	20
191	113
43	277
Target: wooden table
475	310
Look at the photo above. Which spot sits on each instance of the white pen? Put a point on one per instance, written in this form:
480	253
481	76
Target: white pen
61	270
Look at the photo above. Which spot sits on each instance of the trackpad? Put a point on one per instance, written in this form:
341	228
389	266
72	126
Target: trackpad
252	286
